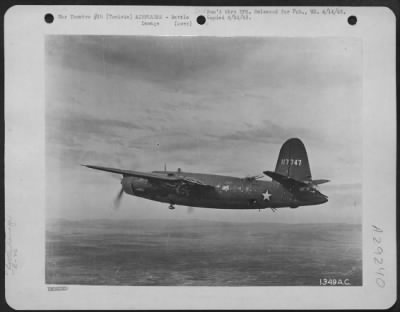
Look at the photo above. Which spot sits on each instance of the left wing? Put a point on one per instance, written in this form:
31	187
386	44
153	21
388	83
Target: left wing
156	177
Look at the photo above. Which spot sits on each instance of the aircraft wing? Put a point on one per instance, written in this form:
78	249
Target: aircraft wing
155	177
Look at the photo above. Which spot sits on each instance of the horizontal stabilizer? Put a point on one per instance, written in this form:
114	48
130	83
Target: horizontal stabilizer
321	181
290	183
287	182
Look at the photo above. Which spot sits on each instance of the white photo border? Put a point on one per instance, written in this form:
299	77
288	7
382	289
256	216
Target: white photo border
25	32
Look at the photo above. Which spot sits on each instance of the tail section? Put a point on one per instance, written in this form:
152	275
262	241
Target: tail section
293	173
293	161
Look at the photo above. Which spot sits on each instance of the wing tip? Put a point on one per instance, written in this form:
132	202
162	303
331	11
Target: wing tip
96	167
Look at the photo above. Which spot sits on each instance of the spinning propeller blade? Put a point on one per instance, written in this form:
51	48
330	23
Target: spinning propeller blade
117	200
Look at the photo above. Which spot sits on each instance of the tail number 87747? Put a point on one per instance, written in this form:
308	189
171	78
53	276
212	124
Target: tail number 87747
291	161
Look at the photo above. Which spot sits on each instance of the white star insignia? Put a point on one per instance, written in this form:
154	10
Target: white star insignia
266	195
225	188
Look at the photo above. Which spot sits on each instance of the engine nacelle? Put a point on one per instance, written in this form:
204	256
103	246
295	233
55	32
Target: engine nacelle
133	185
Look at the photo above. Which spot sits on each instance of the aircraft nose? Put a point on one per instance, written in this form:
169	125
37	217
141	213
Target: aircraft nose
323	198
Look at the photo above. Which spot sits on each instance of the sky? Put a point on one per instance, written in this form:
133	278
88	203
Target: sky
204	104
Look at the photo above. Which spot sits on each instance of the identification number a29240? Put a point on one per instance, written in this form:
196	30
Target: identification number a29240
377	238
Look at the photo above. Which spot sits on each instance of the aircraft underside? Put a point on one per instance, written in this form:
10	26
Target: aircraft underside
239	203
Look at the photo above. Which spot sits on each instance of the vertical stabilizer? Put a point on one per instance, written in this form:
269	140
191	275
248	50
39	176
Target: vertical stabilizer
293	161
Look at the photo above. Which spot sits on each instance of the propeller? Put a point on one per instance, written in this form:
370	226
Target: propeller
254	177
117	200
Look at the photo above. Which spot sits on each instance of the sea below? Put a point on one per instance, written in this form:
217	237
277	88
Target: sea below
201	253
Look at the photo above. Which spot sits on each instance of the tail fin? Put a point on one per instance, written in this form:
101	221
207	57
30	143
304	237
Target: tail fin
293	161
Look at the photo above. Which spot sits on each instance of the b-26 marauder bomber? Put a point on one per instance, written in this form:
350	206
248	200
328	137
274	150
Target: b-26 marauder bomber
291	186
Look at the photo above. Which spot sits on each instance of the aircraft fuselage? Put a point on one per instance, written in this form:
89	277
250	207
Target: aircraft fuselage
228	193
291	186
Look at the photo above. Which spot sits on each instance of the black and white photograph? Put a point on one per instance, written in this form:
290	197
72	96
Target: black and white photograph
200	158
203	161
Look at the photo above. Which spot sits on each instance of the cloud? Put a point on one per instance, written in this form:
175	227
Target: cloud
182	63
162	60
74	138
70	128
216	105
343	187
269	132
